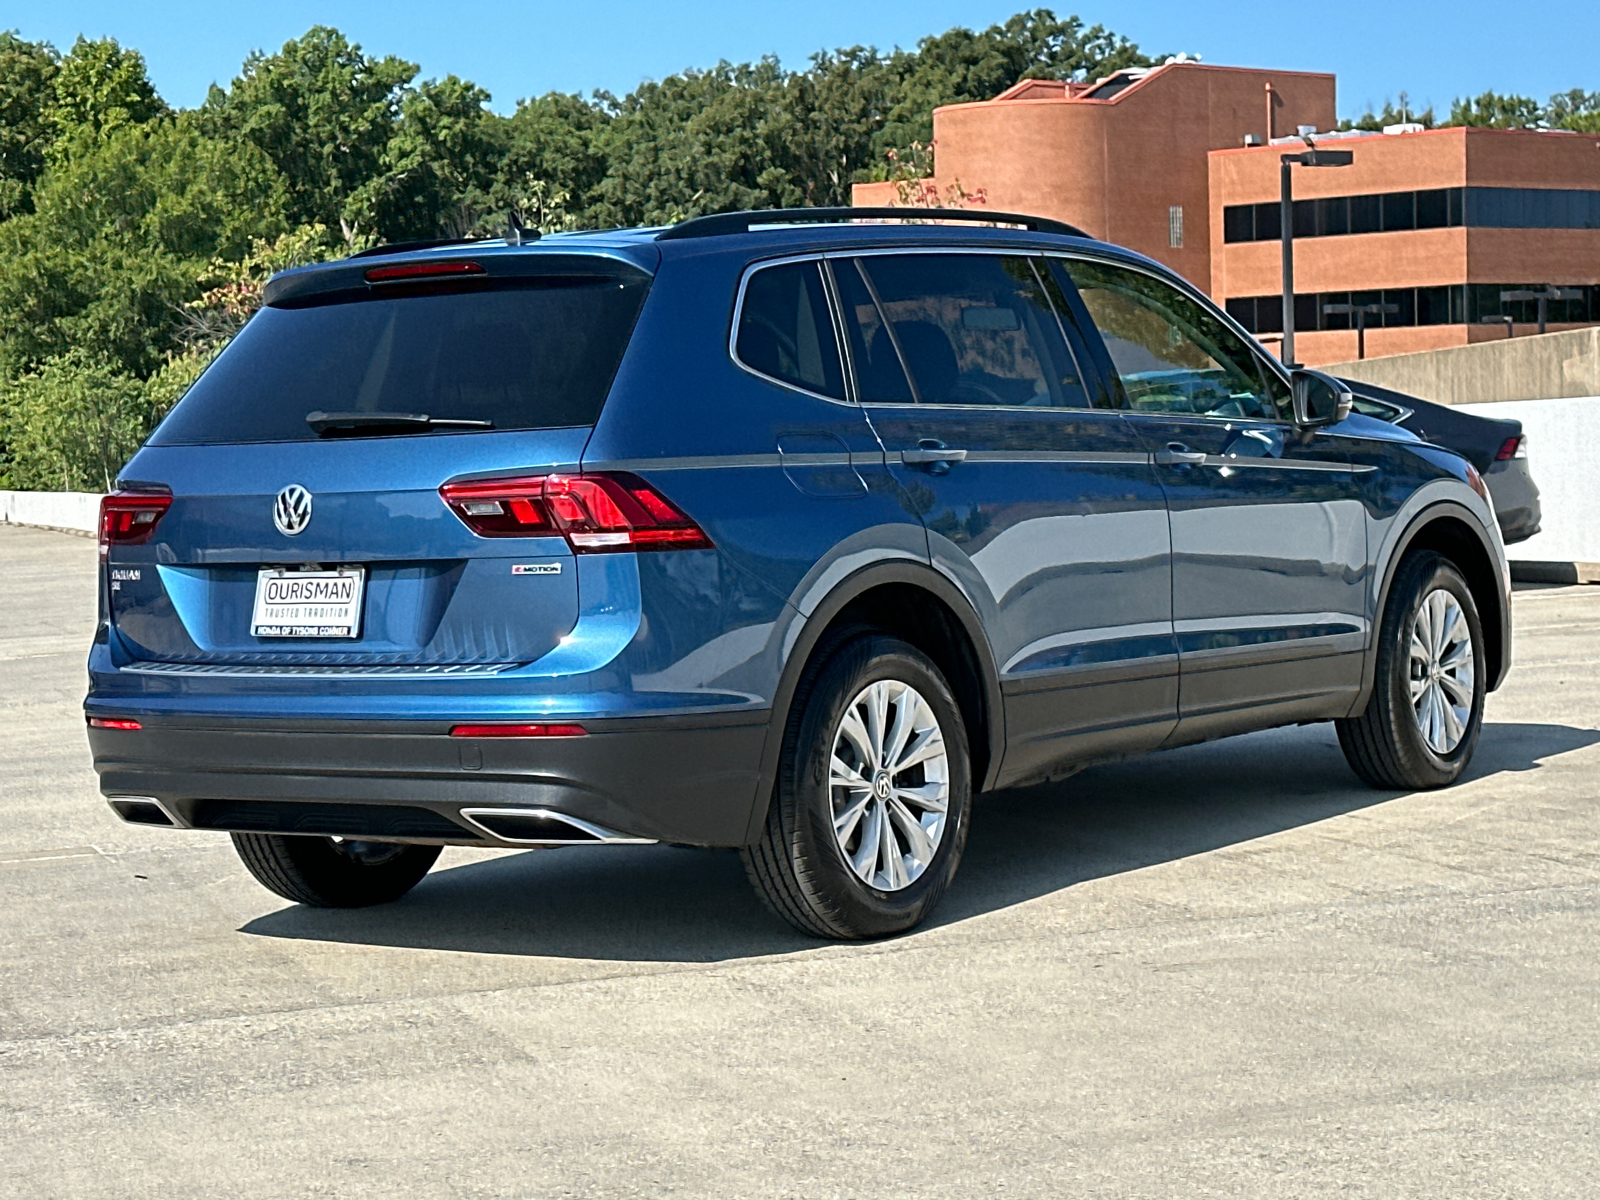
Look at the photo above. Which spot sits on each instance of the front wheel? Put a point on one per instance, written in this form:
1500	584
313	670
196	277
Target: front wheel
334	872
869	815
1421	723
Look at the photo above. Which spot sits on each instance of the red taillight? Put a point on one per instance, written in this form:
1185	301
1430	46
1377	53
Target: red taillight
517	731
129	518
596	513
1512	447
112	723
422	270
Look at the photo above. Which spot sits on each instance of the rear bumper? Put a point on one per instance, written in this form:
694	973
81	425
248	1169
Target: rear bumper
1516	499
688	779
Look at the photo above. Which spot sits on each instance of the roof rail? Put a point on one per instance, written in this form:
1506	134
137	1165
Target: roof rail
741	222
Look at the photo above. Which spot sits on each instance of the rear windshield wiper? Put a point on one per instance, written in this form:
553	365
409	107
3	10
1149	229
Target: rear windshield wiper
338	424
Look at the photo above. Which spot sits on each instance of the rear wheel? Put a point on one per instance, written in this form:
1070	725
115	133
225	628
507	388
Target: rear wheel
334	872
869	814
1421	725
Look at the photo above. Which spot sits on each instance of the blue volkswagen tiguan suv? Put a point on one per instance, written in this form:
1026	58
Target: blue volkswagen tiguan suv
783	531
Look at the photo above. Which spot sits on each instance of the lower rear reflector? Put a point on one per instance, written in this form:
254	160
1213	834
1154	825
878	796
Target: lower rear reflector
518	731
112	723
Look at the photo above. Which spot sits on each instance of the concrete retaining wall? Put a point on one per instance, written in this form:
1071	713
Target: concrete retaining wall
78	511
1564	455
1540	366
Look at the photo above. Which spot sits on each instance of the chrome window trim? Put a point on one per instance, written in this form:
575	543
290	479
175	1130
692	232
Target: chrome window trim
1398	412
1194	293
738	316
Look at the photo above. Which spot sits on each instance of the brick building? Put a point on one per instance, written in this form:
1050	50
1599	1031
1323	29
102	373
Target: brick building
1181	162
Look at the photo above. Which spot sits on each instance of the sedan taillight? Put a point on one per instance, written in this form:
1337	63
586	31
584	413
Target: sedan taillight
596	513
129	518
1513	447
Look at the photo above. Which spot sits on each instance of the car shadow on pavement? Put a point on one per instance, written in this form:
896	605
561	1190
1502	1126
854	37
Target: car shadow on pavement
670	904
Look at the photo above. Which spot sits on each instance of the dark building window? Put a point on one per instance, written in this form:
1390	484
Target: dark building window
1433	209
1438	208
1454	305
1239	223
1366	214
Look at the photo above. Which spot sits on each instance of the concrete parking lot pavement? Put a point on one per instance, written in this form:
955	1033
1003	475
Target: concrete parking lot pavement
1227	970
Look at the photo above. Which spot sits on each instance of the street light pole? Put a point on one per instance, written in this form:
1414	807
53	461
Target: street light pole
1310	158
1543	295
1360	312
1286	224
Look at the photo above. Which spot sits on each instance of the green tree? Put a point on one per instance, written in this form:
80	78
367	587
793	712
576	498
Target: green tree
101	88
551	144
1577	109
72	424
27	95
1494	111
323	112
119	238
438	166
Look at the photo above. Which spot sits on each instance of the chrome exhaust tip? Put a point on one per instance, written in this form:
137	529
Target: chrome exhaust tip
143	810
545	827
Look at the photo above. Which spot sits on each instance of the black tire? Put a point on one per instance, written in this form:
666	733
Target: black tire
1384	744
322	873
798	867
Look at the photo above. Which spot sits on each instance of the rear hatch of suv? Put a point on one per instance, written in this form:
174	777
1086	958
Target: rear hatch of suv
296	489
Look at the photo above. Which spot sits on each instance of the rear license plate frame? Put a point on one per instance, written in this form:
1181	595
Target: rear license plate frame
327	613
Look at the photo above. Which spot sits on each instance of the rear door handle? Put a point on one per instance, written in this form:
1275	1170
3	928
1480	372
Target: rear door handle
936	456
1177	453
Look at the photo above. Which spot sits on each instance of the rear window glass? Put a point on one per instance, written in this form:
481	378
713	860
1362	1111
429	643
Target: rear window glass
529	354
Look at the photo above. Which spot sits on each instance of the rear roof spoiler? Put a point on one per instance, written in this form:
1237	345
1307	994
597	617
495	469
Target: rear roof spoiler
348	278
718	224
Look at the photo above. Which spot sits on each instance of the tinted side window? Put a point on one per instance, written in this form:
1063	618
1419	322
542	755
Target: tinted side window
972	329
785	331
1171	352
880	379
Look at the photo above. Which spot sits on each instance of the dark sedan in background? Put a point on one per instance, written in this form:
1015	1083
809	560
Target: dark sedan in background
1496	446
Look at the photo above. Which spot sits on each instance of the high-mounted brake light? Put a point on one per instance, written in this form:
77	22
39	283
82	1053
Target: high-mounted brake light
517	731
113	723
129	518
1513	447
596	513
422	270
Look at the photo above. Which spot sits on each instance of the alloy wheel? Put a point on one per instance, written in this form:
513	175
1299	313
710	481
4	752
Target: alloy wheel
1442	671
889	785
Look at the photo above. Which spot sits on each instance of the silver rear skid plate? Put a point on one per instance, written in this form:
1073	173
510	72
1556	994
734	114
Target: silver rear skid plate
496	825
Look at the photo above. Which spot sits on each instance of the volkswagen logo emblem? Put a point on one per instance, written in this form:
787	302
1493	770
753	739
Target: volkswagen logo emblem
291	512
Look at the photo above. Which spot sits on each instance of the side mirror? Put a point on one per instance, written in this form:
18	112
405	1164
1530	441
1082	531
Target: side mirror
1319	399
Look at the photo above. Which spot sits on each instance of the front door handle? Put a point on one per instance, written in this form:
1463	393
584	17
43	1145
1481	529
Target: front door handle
935	456
1177	453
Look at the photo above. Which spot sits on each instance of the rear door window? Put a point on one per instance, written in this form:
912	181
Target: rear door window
522	353
786	330
969	329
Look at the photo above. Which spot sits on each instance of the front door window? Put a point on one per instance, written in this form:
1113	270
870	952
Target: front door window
1172	354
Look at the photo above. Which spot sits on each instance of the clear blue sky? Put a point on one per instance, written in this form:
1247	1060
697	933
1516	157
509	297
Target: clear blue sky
1434	51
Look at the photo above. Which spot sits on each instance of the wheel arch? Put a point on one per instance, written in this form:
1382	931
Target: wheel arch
1449	529
914	602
